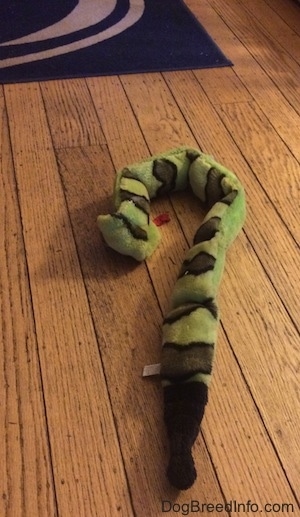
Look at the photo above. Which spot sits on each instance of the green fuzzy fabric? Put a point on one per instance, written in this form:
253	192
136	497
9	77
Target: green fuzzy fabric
190	327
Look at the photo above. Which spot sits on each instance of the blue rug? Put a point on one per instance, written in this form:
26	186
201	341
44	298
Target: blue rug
78	38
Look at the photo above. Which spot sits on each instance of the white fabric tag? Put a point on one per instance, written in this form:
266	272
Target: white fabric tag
151	370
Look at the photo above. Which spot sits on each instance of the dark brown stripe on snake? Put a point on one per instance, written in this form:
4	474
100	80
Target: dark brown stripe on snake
186	310
140	202
192	155
207	230
228	200
213	188
136	231
184	360
200	264
165	171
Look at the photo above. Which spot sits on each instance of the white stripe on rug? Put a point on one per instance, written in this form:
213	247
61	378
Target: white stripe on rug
85	14
135	12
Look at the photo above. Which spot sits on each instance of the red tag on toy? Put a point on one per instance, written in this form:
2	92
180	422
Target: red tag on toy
161	219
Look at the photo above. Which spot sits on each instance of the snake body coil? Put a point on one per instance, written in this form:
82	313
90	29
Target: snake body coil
190	327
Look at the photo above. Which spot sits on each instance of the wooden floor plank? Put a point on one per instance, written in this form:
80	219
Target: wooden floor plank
252	80
272	24
26	478
245	434
288	10
162	124
276	109
260	143
278	65
33	134
272	364
88	467
117	120
72	119
223	85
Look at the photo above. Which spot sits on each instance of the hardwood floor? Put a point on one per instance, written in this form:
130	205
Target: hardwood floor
81	432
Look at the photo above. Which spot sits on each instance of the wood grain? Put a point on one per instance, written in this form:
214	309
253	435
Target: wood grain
252	80
279	66
252	132
288	11
72	118
25	457
117	120
272	24
74	384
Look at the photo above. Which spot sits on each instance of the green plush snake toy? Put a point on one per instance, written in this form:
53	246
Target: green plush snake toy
190	327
